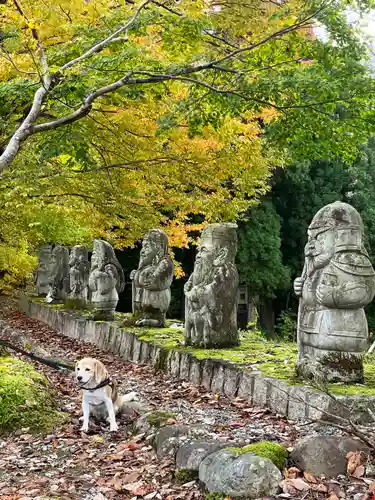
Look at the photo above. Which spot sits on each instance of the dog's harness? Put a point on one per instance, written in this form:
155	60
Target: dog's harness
107	381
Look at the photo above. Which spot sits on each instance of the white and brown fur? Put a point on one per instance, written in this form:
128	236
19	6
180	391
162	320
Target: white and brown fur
101	403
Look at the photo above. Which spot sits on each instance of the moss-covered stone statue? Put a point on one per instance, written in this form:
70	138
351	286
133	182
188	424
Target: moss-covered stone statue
211	291
79	269
58	280
152	280
106	281
42	271
337	281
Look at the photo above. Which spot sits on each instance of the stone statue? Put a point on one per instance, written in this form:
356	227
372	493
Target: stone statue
58	280
42	271
106	281
211	291
152	280
79	269
337	281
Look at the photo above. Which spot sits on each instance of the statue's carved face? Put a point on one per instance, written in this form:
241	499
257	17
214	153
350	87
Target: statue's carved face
204	259
97	258
320	247
148	252
74	256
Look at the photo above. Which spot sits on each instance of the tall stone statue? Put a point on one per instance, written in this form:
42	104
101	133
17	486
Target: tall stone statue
58	280
106	281
79	269
211	291
42	271
152	280
337	281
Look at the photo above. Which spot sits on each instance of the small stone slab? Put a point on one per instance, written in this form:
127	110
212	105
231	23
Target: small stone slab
261	391
195	374
217	383
185	361
246	387
232	380
278	397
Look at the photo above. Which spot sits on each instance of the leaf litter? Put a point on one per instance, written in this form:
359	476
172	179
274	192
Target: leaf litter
71	465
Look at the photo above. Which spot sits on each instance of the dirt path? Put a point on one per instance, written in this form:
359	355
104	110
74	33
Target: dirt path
72	465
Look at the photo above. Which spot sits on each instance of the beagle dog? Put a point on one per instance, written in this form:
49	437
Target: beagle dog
100	396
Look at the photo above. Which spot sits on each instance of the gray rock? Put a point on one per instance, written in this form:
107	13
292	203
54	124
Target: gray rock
243	476
325	454
190	455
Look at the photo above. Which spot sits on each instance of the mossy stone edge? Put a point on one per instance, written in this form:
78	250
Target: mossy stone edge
227	372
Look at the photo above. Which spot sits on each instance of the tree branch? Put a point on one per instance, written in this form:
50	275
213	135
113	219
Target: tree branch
101	45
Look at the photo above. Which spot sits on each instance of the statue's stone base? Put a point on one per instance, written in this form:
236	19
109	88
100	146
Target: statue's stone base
332	367
220	343
98	314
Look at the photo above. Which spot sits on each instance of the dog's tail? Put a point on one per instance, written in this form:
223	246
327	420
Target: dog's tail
126	398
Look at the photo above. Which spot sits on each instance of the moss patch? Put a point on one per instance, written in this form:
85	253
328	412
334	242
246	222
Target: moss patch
25	398
273	451
158	418
184	475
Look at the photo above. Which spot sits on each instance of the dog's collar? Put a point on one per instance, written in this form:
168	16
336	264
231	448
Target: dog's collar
105	382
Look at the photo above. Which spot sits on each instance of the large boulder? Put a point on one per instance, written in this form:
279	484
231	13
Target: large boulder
239	475
26	400
190	455
325	454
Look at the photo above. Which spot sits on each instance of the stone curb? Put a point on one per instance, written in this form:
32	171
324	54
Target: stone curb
215	375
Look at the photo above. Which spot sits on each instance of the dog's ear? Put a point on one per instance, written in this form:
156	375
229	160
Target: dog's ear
100	373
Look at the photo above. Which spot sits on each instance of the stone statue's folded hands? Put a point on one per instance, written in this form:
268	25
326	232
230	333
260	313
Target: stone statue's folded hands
298	284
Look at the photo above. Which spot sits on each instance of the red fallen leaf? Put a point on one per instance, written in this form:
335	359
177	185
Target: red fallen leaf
360	470
371	488
116	457
237	424
132	446
310	477
291	473
141	491
170	421
295	484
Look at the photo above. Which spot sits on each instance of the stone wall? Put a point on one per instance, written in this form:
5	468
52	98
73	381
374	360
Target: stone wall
218	376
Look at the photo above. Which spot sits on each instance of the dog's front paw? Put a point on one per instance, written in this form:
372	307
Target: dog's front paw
84	428
113	428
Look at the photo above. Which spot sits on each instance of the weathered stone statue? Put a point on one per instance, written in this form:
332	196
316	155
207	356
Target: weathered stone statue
152	280
58	280
79	269
211	291
106	281
42	271
337	281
